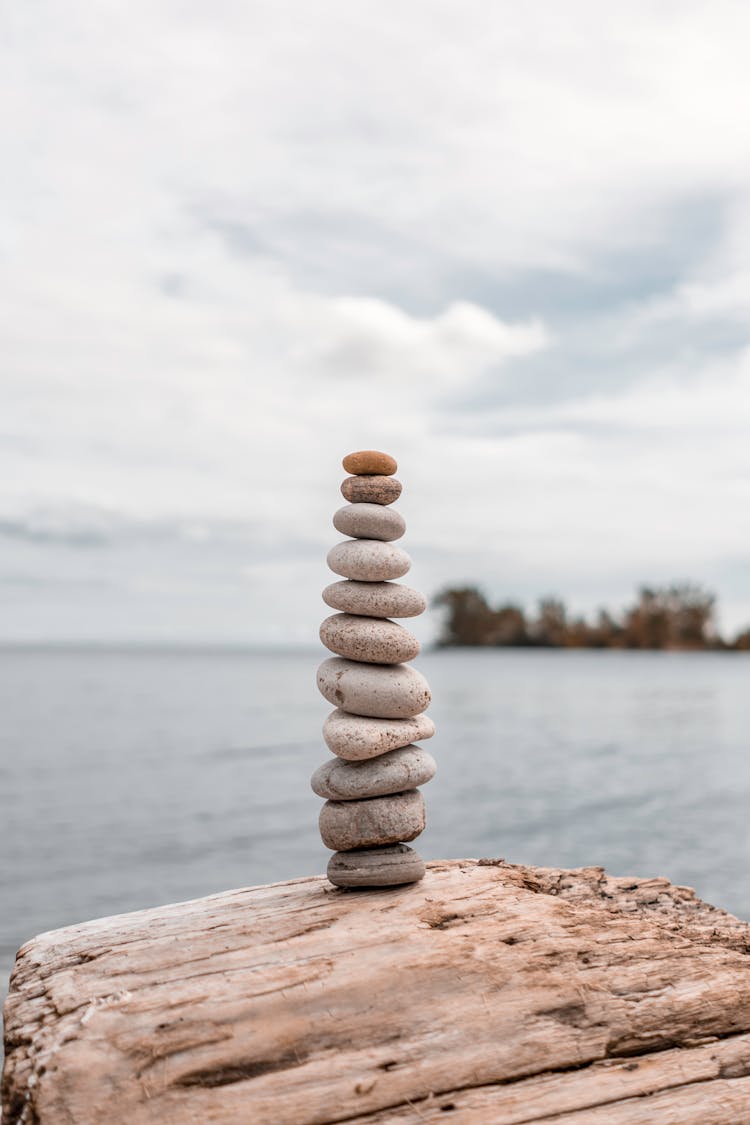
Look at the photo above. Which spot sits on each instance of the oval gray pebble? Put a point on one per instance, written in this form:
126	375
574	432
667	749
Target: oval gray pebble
368	639
378	820
356	737
371	490
390	866
369	521
369	560
375	599
383	691
394	772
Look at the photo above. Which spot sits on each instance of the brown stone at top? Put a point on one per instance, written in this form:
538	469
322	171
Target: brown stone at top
369	463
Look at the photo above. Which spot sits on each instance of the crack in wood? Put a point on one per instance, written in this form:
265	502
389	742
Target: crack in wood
240	1071
731	1071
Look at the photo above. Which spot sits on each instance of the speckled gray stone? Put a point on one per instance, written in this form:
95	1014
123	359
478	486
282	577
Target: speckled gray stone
383	691
394	772
378	820
368	560
356	737
371	490
375	599
390	866
369	521
368	639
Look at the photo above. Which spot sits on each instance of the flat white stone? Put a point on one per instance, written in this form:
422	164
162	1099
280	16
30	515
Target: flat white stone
368	560
379	820
375	599
368	639
389	866
369	521
394	772
356	738
383	691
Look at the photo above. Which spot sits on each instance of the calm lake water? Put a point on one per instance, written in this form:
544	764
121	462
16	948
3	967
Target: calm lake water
130	779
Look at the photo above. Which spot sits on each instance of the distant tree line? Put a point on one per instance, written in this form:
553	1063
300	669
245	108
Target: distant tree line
682	616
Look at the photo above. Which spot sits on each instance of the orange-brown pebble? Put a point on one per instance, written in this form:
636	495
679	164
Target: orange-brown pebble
371	490
369	463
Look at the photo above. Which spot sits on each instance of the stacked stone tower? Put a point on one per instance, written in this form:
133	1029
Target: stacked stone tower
372	803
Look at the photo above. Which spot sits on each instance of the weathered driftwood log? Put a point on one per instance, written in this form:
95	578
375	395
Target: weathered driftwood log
489	993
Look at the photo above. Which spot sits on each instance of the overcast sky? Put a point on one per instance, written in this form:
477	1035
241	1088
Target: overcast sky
507	243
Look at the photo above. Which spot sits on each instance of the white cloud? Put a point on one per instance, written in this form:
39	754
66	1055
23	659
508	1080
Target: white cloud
241	240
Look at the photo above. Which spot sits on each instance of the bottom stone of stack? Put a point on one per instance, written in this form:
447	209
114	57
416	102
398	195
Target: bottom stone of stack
388	866
372	822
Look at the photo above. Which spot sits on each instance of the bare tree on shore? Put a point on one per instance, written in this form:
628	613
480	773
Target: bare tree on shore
681	616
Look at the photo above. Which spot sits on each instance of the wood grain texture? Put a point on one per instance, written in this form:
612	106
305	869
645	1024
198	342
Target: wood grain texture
488	993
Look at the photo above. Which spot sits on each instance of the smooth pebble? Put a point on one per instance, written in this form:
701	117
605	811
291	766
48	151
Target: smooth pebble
390	866
368	639
356	737
375	599
369	462
370	521
382	691
371	490
378	820
398	770
368	560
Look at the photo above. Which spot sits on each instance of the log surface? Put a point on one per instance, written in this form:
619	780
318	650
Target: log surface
488	993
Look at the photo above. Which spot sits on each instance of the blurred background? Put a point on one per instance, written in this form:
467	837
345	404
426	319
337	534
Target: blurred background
509	245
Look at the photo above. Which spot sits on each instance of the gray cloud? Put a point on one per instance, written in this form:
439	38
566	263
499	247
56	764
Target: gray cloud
334	250
29	531
656	258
